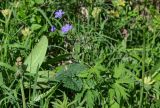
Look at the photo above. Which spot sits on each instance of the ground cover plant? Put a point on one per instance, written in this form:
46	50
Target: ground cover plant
79	54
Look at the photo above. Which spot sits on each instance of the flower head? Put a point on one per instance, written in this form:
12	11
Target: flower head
119	2
59	13
148	80
113	13
26	31
96	11
6	12
53	28
66	28
84	12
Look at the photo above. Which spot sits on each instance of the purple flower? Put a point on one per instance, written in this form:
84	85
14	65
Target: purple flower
59	13
66	28
53	28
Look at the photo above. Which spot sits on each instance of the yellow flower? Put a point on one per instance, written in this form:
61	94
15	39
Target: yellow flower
25	32
148	80
6	12
113	13
119	2
96	11
16	4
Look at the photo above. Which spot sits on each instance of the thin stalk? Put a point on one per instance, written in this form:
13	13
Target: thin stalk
143	71
143	62
22	86
22	92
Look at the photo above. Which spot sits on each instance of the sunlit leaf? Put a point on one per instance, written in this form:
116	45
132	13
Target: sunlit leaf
37	55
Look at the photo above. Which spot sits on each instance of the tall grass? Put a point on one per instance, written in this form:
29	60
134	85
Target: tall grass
108	58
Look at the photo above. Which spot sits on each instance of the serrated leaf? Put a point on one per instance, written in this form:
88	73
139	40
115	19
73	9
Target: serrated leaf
68	76
83	74
120	91
111	94
74	84
117	93
37	55
118	70
89	99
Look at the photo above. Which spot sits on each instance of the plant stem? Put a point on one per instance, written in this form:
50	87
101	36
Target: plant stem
143	70
22	92
143	62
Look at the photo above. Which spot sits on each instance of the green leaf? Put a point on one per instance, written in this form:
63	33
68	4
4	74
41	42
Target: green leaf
39	1
117	93
156	67
114	104
37	55
45	76
57	58
83	74
1	79
73	83
118	70
45	16
157	77
89	99
46	94
7	66
68	76
35	27
120	91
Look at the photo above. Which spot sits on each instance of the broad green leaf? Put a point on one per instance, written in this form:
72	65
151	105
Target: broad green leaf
68	76
37	55
35	27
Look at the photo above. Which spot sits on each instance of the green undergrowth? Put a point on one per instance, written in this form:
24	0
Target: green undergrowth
94	54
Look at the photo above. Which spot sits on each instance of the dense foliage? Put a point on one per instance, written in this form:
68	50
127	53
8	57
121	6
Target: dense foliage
79	53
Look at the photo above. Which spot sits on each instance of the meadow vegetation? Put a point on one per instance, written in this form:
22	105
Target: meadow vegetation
79	54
